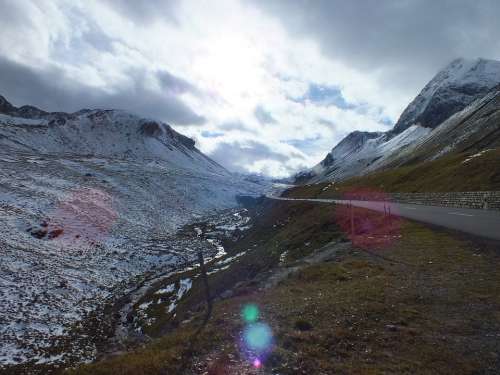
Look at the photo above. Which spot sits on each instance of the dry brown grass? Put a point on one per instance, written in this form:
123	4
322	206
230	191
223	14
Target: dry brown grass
430	305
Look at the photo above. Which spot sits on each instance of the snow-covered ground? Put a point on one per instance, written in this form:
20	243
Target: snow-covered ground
89	203
173	286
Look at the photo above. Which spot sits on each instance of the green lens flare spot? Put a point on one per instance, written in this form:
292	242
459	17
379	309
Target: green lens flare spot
250	313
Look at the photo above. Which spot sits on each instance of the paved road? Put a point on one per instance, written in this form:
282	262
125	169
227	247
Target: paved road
481	223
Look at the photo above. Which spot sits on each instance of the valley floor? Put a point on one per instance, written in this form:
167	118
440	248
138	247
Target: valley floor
425	302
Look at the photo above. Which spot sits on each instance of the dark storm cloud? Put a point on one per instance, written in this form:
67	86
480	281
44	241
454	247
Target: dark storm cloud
263	116
52	90
404	41
235	155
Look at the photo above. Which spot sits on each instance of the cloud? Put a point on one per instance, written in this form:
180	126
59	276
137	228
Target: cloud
236	125
240	155
175	85
144	12
277	82
401	42
52	90
263	116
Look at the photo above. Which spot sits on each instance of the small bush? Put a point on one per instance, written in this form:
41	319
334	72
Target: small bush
303	325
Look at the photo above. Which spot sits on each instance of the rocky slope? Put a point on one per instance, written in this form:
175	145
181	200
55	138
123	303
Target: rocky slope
448	100
89	202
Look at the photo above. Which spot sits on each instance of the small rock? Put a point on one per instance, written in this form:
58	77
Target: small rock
303	325
55	233
392	327
39	233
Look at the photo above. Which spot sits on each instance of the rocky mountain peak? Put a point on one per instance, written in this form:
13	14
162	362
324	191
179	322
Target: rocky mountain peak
451	90
5	106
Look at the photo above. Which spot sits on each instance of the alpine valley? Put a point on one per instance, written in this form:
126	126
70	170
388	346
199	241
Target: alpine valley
89	204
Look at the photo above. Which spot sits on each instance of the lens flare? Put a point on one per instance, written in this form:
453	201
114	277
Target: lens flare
250	313
370	221
258	337
257	363
83	218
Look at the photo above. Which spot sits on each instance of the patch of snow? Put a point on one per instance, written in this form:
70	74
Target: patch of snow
218	269
144	306
231	259
283	256
169	289
184	287
476	156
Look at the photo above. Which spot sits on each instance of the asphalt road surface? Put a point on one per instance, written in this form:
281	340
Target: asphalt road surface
483	223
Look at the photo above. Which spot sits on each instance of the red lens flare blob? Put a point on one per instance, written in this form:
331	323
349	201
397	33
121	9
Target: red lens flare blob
369	218
83	218
257	363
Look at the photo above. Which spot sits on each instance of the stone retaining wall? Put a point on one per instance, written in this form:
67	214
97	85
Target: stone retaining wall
489	200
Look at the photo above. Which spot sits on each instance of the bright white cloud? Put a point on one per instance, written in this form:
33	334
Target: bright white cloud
214	69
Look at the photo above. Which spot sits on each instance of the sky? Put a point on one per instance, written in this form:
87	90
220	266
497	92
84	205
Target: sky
263	86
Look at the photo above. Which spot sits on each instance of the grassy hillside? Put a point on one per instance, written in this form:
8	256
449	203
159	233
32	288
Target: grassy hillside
297	228
458	172
428	303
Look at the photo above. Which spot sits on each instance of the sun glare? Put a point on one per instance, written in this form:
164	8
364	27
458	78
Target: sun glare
232	67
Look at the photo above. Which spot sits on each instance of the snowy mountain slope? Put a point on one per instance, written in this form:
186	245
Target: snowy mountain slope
453	93
451	90
473	129
361	151
106	133
90	201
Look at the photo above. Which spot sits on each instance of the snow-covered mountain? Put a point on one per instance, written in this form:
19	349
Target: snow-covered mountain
451	90
89	201
460	87
103	133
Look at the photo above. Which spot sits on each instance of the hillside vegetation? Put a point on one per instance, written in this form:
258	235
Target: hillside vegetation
426	304
457	172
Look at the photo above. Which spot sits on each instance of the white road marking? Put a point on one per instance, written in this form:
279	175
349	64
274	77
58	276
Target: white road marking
458	213
409	208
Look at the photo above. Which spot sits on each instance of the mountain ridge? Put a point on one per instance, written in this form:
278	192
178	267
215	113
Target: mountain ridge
102	132
452	90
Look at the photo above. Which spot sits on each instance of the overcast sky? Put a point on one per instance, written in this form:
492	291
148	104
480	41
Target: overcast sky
266	86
